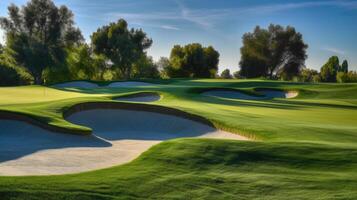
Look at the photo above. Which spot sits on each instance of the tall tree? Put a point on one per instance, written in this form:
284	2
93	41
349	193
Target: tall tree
38	33
123	47
273	51
193	60
329	69
344	66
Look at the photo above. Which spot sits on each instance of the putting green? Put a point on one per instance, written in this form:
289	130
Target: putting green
306	147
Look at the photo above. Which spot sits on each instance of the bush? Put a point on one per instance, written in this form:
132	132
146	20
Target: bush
145	68
307	75
11	73
316	78
237	75
341	77
226	74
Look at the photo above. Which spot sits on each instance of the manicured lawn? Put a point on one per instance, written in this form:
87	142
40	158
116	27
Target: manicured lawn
305	148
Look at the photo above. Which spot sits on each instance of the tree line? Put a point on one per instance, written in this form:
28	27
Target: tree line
43	46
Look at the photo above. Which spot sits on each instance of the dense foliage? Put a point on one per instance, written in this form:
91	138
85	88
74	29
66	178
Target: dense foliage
192	60
10	73
329	69
274	51
226	74
121	45
38	34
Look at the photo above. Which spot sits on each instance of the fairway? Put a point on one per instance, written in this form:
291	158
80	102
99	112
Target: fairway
296	144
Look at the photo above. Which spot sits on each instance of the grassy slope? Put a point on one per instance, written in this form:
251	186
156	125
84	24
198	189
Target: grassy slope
308	147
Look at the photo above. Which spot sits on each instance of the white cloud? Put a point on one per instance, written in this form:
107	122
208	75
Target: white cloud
169	27
334	50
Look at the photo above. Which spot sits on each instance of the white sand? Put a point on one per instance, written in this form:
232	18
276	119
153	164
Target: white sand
119	137
140	98
279	94
77	84
130	84
268	94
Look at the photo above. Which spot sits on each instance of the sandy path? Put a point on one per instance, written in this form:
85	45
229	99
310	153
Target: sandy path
119	137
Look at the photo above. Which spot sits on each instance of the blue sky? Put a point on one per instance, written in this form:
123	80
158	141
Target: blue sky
329	27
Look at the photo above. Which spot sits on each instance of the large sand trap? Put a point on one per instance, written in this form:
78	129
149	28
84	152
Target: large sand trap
119	137
266	94
77	84
141	97
130	84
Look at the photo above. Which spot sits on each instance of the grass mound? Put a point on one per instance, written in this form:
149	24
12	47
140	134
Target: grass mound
207	169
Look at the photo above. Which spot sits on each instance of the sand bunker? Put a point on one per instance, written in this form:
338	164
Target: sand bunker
231	94
77	84
141	97
119	136
265	94
130	84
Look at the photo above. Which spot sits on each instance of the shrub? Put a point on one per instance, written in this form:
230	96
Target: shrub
307	75
316	78
226	74
342	77
11	74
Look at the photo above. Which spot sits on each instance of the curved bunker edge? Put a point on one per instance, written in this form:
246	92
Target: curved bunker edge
140	97
261	93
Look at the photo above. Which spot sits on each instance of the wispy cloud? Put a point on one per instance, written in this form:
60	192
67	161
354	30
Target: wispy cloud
169	27
334	50
208	18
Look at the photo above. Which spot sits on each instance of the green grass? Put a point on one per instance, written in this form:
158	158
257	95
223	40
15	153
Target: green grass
306	147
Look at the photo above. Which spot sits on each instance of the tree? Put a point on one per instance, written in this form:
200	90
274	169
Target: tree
164	65
329	69
307	75
10	73
81	63
274	51
38	33
123	47
237	75
226	74
145	68
193	60
344	67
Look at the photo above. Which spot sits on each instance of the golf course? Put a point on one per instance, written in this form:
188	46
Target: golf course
172	139
178	100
